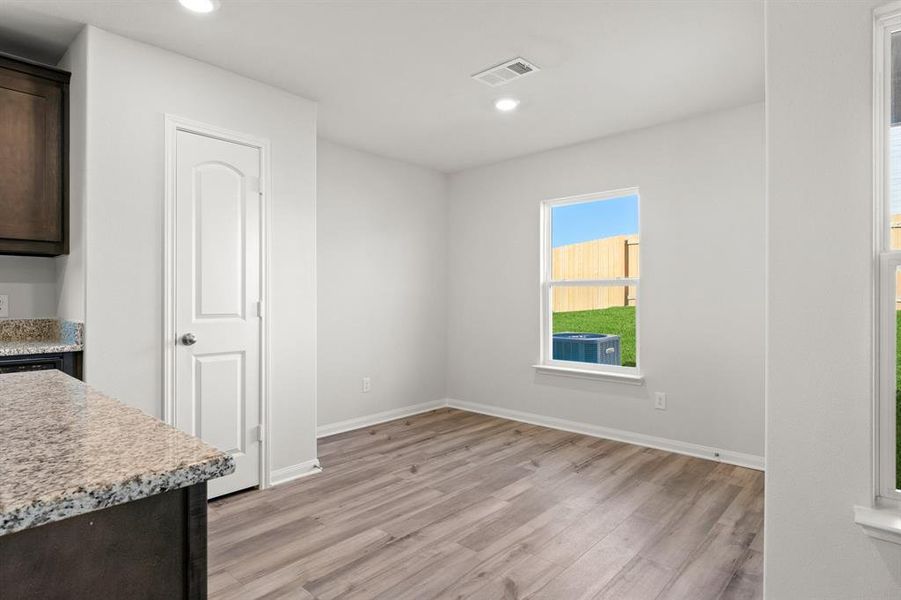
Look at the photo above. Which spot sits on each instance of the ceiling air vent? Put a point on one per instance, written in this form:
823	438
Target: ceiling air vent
506	72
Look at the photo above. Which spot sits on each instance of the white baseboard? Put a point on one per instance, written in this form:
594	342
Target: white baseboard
740	459
375	419
286	474
727	456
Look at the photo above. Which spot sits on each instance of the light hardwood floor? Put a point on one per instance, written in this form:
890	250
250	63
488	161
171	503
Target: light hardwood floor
451	504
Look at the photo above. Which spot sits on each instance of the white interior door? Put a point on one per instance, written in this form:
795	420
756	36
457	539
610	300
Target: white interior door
217	295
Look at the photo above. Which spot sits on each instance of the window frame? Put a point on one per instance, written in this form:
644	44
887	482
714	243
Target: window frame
886	261
547	285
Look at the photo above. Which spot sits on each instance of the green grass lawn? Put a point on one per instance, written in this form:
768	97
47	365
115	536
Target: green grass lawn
617	320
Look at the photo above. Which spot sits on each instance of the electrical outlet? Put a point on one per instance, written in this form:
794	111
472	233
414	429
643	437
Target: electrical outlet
367	384
660	400
4	305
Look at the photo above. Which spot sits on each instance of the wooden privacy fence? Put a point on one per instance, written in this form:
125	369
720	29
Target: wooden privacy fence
896	243
607	258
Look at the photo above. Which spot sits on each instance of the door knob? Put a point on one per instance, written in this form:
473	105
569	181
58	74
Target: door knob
189	339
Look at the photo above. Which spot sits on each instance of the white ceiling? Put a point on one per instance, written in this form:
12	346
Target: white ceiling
393	77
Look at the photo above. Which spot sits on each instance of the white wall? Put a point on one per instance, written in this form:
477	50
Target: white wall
70	268
819	144
130	87
382	260
702	193
30	283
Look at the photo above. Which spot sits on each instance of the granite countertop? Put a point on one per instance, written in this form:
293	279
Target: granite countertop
36	347
19	337
67	449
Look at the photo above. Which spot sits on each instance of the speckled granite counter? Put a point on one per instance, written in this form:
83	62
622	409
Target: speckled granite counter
67	449
37	347
19	337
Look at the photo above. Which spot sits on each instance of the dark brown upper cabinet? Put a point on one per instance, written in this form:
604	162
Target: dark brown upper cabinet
34	148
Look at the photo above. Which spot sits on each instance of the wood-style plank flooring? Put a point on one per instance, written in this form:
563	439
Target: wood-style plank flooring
451	504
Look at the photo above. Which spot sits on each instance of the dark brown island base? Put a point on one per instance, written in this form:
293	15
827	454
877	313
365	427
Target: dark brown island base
97	499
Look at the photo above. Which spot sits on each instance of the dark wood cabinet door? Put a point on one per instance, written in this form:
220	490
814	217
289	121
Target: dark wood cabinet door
33	160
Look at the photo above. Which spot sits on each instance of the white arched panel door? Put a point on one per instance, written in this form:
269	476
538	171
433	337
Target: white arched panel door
217	295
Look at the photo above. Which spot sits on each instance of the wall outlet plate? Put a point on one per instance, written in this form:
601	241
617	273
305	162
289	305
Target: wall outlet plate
4	305
367	384
660	400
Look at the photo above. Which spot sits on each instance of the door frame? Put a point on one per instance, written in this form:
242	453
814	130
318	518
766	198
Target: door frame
174	124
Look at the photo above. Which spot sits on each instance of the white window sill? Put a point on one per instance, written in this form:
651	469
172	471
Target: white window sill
880	523
590	374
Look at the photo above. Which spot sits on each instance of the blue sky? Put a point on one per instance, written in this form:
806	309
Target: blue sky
574	223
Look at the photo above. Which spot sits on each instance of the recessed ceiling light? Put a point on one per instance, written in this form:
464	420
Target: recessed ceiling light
506	104
200	6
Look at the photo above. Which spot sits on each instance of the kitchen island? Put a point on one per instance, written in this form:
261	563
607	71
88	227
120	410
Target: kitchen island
97	499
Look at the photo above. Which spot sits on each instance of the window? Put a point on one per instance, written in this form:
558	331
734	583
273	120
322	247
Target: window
888	260
590	284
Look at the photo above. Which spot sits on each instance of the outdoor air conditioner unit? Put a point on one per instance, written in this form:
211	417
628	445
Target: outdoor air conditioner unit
598	348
